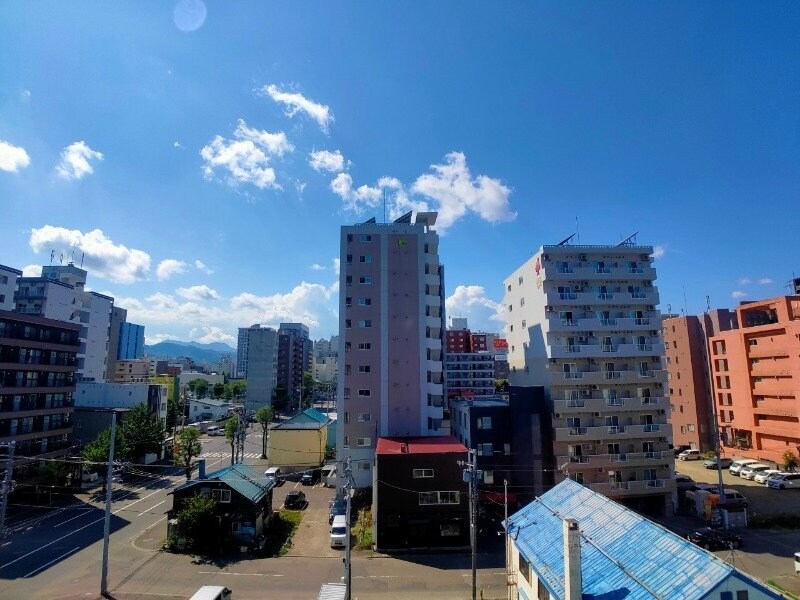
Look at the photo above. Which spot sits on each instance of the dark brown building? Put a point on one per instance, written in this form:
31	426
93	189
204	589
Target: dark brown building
37	382
420	499
295	352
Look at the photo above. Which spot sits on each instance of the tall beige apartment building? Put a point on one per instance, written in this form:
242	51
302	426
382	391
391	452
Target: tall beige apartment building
583	322
391	331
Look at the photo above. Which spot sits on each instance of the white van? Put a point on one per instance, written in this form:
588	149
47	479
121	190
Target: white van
212	592
736	466
215	430
275	474
797	563
339	532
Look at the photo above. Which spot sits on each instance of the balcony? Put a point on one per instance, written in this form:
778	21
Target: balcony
584	405
611	433
599	376
601	299
634	488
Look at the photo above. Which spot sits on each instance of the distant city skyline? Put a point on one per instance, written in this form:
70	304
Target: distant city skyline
200	168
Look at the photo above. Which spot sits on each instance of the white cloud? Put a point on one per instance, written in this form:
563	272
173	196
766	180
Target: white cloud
299	187
200	265
335	262
738	294
32	271
156	338
13	158
317	267
324	160
295	102
659	251
304	303
101	256
247	158
745	281
472	302
209	335
456	192
75	161
765	281
355	199
198	293
169	267
177	145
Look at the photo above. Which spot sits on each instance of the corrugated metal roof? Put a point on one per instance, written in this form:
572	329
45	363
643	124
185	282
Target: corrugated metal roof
245	480
620	550
419	445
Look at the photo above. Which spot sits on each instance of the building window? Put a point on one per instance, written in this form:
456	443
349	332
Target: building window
422	473
577	477
346	417
365	323
364	393
364	417
364	442
364	368
522	301
365	279
221	495
347	441
520	280
364	237
524	323
524	568
438	498
485	450
363	465
507	449
364	345
365	301
488	477
484	422
348	324
742	595
366	259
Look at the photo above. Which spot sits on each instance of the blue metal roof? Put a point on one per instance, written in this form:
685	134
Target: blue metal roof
243	479
622	553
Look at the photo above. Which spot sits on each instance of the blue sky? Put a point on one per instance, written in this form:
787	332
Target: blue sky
202	157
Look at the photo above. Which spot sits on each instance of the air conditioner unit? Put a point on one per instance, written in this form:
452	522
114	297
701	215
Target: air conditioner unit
582	257
586	393
663	439
654	333
646	257
588	447
593	360
576	288
651	307
585	283
595	387
582	338
597	442
659	385
545	257
599	469
553	361
662	412
550	309
557	415
589	308
597	414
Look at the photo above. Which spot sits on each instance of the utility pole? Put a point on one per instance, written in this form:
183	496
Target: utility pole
8	484
348	473
505	527
471	476
107	522
241	435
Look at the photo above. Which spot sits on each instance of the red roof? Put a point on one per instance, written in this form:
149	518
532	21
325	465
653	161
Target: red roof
419	445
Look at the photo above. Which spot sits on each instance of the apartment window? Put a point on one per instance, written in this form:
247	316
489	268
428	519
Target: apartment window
690	428
347	369
221	495
2	298
524	323
3	279
543	592
347	346
363	465
364	393
364	345
742	595
522	301
507	449
364	237
348	301
365	301
525	568
349	237
347	441
510	307
484	422
349	258
488	477
348	280
364	417
364	442
365	323
365	258
485	450
346	417
364	368
752	342
365	279
348	323
520	280
683	429
422	473
511	328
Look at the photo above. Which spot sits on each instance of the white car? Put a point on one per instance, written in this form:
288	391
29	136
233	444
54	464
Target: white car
689	455
736	466
764	475
750	471
784	481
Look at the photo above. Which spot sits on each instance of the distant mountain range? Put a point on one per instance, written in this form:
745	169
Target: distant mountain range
211	353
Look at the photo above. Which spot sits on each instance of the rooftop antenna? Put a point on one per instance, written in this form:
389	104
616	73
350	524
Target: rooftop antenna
52	256
82	255
685	306
384	206
629	241
61	258
708	303
565	241
577	230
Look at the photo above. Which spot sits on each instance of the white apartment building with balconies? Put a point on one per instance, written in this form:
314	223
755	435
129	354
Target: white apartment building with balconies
583	322
391	327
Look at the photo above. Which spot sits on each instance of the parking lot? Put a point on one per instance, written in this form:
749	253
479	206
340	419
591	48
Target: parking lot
312	538
762	499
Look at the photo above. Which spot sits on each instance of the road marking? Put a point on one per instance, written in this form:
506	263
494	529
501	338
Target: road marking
240	574
73	518
376	576
51	562
146	528
151	508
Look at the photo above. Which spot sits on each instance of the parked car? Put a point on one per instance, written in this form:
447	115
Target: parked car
763	476
750	471
735	499
689	455
681	448
724	463
339	532
683	482
338	508
275	474
310	477
736	466
295	499
715	539
784	481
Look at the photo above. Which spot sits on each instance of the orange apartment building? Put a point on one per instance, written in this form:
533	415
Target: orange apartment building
756	380
685	343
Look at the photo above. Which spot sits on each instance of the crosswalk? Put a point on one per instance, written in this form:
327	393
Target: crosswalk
227	454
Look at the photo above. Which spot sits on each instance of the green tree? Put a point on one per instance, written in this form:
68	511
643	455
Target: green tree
199	387
143	432
309	385
228	392
218	390
501	385
187	447
231	430
197	523
239	388
173	413
95	453
264	417
789	461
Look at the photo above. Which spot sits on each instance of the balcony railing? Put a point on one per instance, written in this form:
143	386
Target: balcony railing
612	374
608	322
605	296
642	321
577	430
573	375
651	428
636	270
568	296
616	429
576	402
609	348
603	271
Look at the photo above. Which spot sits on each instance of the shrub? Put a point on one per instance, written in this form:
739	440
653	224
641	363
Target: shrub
789	461
362	530
280	531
